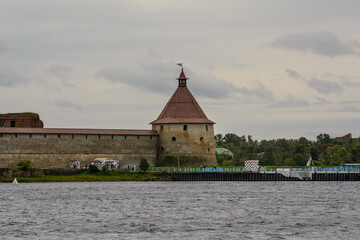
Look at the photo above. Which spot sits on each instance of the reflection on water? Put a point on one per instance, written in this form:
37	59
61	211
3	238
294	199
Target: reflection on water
186	210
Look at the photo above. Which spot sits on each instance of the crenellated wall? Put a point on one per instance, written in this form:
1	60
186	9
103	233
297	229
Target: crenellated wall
56	150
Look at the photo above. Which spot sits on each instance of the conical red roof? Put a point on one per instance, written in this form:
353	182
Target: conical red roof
182	107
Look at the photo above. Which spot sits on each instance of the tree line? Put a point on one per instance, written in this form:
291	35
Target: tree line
324	151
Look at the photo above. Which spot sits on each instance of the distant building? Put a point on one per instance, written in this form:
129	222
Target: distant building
344	138
186	135
21	120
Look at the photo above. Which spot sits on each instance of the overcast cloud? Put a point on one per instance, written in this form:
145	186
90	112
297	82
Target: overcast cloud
10	78
320	85
325	87
268	68
60	71
324	43
67	104
290	102
161	77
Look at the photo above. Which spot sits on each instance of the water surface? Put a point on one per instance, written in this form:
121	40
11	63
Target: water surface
180	210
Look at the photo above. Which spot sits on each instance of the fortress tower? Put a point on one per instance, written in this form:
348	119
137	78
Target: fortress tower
186	135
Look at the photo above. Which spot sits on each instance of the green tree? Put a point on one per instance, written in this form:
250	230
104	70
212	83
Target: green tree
224	158
218	140
300	159
232	138
336	155
289	162
268	158
300	148
355	154
304	141
24	165
314	153
323	138
143	165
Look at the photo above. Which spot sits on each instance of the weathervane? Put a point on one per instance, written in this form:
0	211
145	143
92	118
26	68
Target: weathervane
180	64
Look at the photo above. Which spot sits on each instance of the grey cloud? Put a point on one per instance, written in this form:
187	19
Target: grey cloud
351	83
60	71
290	102
324	43
239	65
320	101
348	109
67	104
126	107
321	86
160	77
325	87
260	91
10	78
294	74
2	47
350	102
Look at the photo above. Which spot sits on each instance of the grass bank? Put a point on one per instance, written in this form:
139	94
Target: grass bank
98	177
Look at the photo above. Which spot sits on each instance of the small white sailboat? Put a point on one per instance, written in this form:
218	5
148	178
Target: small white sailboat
15	181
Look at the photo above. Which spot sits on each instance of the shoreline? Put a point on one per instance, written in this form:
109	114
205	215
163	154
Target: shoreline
95	177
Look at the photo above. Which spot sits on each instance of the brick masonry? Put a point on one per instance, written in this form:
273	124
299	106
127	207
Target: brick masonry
24	120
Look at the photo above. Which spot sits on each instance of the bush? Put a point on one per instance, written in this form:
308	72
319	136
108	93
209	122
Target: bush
25	165
143	165
93	169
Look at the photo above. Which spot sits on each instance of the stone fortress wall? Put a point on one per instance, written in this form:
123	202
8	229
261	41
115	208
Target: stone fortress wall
56	150
191	144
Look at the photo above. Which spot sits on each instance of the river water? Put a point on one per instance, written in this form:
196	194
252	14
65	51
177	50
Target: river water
180	210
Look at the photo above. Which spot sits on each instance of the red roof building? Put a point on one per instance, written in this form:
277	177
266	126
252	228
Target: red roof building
186	135
182	107
21	120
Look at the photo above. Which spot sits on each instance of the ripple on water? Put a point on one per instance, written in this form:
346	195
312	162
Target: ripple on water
187	210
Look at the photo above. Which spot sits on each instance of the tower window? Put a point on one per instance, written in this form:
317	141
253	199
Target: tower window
161	149
99	136
12	124
161	128
185	127
207	128
58	135
73	136
201	139
150	137
138	137
208	149
86	136
173	139
125	137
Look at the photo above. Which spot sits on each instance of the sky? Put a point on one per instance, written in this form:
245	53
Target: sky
266	68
